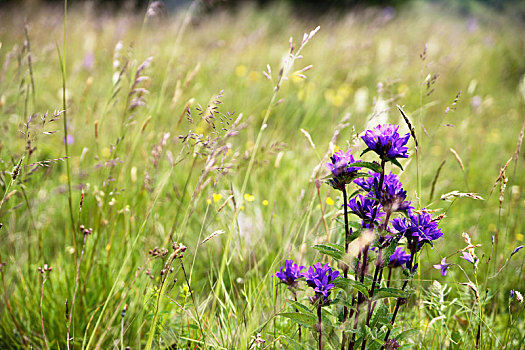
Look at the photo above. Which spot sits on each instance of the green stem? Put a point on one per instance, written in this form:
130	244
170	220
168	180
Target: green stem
345	266
399	300
320	324
62	59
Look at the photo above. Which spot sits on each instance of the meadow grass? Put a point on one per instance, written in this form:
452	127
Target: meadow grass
174	134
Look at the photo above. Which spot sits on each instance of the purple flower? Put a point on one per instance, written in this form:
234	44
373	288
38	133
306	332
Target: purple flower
69	139
319	277
511	294
289	273
418	226
386	142
339	163
392	195
364	208
342	174
443	266
399	258
468	257
517	249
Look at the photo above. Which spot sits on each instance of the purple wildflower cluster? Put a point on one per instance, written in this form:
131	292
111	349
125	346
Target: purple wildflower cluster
399	258
364	208
378	198
383	193
420	227
342	173
319	276
386	142
289	273
392	196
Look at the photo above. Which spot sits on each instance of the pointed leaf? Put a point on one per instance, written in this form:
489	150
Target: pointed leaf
348	284
395	162
303	308
305	320
365	151
331	249
408	334
369	165
391	293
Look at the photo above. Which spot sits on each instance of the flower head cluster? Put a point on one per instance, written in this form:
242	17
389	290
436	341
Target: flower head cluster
319	277
391	196
364	208
386	142
289	273
420	227
342	174
399	258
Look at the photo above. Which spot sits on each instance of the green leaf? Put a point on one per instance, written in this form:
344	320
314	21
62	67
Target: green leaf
342	301
390	293
395	162
305	320
369	165
303	308
346	284
390	250
380	317
408	334
331	249
356	225
365	151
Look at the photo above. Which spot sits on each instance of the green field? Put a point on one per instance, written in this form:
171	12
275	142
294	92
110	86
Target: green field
175	134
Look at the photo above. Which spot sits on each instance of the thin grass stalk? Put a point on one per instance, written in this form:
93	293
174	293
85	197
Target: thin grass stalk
193	299
185	22
62	60
122	333
160	188
30	63
218	288
156	313
77	278
14	175
44	279
10	307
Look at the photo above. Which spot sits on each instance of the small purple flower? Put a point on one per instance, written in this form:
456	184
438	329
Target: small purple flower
517	249
289	273
399	258
69	139
386	142
342	174
319	277
443	266
364	208
420	226
511	294
468	257
392	195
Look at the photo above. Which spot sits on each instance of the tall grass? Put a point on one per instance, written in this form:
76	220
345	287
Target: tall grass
173	134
